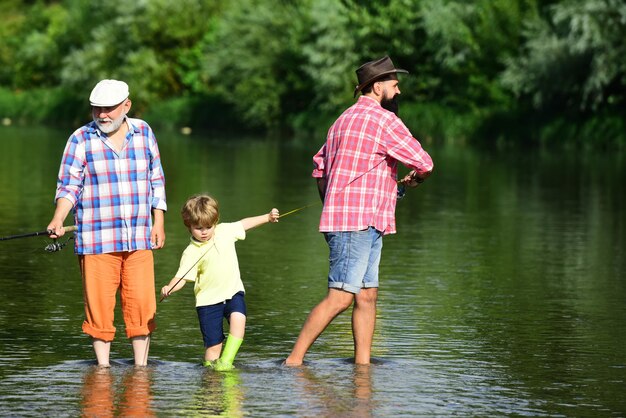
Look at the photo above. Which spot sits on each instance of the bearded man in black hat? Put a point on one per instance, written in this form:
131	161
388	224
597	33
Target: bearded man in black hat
356	172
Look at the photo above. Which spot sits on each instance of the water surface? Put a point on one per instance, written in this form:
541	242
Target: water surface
501	295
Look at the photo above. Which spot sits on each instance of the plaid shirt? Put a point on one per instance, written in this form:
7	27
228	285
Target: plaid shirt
359	161
113	194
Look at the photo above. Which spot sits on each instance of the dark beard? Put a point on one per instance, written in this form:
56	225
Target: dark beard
390	104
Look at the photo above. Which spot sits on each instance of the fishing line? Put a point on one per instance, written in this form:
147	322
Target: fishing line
299	209
344	187
187	272
400	194
213	245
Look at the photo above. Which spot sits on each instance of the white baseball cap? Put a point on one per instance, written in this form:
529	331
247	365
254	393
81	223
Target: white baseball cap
108	93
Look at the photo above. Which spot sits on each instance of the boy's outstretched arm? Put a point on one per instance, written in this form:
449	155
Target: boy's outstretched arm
174	285
249	223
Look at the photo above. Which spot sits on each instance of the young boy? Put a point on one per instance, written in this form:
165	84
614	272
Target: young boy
210	261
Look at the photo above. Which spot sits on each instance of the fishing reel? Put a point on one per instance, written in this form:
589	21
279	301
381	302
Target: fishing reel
402	186
55	246
401	191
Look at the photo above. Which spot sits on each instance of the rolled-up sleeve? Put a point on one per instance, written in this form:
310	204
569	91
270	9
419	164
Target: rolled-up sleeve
319	163
405	148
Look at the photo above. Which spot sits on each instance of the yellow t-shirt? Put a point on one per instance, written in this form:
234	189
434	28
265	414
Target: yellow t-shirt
216	275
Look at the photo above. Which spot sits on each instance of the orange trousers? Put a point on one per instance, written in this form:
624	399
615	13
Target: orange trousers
132	273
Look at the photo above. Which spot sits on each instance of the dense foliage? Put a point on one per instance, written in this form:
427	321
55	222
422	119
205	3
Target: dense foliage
531	70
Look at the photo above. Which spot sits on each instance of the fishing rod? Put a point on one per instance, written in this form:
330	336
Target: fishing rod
53	246
213	245
299	209
38	233
400	194
187	272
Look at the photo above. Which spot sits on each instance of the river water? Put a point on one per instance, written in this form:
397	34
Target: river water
502	294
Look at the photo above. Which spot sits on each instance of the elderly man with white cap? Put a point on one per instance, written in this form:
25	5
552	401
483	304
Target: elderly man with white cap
112	179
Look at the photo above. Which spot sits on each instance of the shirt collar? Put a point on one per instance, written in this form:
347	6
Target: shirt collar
367	100
200	244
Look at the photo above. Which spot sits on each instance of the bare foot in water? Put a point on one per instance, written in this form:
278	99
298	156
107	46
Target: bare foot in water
292	363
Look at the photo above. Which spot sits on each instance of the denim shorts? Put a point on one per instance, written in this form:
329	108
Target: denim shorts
354	259
211	318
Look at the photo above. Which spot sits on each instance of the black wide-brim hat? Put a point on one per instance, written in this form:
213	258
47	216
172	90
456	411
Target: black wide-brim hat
373	70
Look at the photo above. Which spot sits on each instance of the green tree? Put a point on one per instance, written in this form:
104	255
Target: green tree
12	20
468	45
148	44
255	60
290	63
37	42
574	60
330	52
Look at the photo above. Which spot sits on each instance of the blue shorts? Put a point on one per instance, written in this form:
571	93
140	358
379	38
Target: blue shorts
354	259
212	318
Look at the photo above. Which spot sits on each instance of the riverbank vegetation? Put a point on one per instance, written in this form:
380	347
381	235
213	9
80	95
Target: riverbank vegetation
528	72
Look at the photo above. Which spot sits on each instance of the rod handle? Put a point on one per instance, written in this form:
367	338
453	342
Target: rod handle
71	228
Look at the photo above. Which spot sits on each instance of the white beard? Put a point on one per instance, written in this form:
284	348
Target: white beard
112	126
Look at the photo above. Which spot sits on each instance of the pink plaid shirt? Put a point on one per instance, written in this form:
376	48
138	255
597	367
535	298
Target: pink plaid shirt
113	193
359	161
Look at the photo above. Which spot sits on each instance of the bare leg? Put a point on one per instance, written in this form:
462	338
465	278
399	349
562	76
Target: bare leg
213	353
141	346
237	328
102	349
237	324
335	302
363	323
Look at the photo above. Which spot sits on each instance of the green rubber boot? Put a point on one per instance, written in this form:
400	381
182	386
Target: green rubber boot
225	362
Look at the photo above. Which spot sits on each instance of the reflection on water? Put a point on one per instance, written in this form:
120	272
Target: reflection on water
327	399
501	295
219	394
102	396
333	387
97	394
